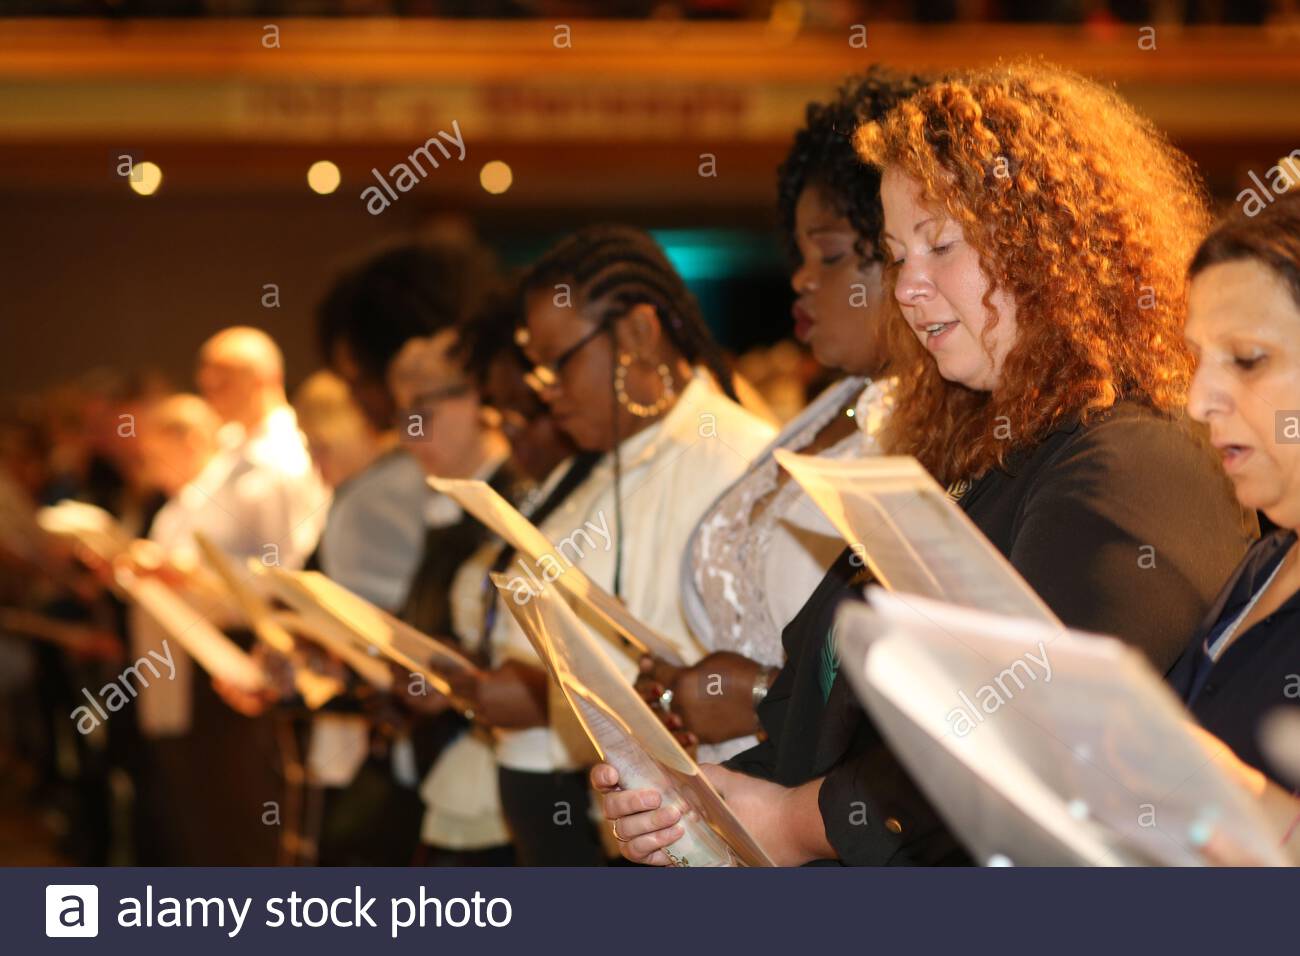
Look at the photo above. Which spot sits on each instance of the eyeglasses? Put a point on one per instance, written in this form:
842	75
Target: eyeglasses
547	375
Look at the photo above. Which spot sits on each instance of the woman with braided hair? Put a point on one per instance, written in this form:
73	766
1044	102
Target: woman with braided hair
621	356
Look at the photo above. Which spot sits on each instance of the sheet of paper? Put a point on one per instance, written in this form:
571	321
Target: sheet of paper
1039	745
316	689
911	535
548	562
89	525
367	627
212	650
627	734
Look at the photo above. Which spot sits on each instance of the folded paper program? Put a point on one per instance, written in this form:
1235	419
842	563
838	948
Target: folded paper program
357	630
316	689
482	501
914	538
629	736
1080	757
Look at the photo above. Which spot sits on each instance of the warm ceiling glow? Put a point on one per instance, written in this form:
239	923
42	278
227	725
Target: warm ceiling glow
323	177
496	177
146	178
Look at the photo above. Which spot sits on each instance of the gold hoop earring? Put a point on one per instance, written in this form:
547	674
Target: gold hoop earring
638	409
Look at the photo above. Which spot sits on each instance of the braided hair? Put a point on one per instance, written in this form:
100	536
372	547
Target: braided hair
623	266
823	155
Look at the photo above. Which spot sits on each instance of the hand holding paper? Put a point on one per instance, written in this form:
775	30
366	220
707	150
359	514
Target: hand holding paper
629	736
316	689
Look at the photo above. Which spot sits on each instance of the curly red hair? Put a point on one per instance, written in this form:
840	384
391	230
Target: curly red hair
1080	209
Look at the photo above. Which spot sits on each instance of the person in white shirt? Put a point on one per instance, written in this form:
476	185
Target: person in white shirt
258	496
264	478
625	363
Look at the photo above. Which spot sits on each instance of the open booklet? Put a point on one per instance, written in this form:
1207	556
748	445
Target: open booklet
186	624
542	562
212	650
89	525
627	734
316	689
915	539
1038	745
352	623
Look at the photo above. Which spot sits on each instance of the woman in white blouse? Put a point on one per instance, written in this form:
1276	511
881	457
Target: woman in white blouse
618	344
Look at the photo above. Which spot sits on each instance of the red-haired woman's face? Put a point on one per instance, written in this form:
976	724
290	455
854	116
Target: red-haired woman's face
1243	326
838	311
941	286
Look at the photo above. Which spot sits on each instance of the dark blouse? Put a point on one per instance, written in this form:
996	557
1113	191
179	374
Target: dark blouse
1125	526
1259	670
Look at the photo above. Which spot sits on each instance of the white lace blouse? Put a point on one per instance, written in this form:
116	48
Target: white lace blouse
753	560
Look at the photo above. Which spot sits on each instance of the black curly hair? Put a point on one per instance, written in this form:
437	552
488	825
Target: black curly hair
823	155
404	292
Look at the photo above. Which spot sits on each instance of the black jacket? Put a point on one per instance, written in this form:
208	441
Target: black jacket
1125	526
1258	672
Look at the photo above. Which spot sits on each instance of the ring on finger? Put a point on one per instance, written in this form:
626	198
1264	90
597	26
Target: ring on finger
613	825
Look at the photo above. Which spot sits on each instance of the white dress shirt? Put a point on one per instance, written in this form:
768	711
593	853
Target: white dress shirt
259	497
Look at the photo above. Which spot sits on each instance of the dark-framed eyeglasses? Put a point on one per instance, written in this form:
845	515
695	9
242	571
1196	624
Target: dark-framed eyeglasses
546	375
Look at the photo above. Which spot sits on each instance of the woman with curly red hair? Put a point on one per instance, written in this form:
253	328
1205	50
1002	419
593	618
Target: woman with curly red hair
1038	231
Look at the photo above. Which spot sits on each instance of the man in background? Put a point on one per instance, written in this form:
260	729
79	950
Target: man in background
257	495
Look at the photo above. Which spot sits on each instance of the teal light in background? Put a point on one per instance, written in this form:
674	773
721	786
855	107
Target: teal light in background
703	254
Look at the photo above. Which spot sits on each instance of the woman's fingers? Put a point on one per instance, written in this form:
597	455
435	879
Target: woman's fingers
641	825
652	822
624	803
604	778
649	848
